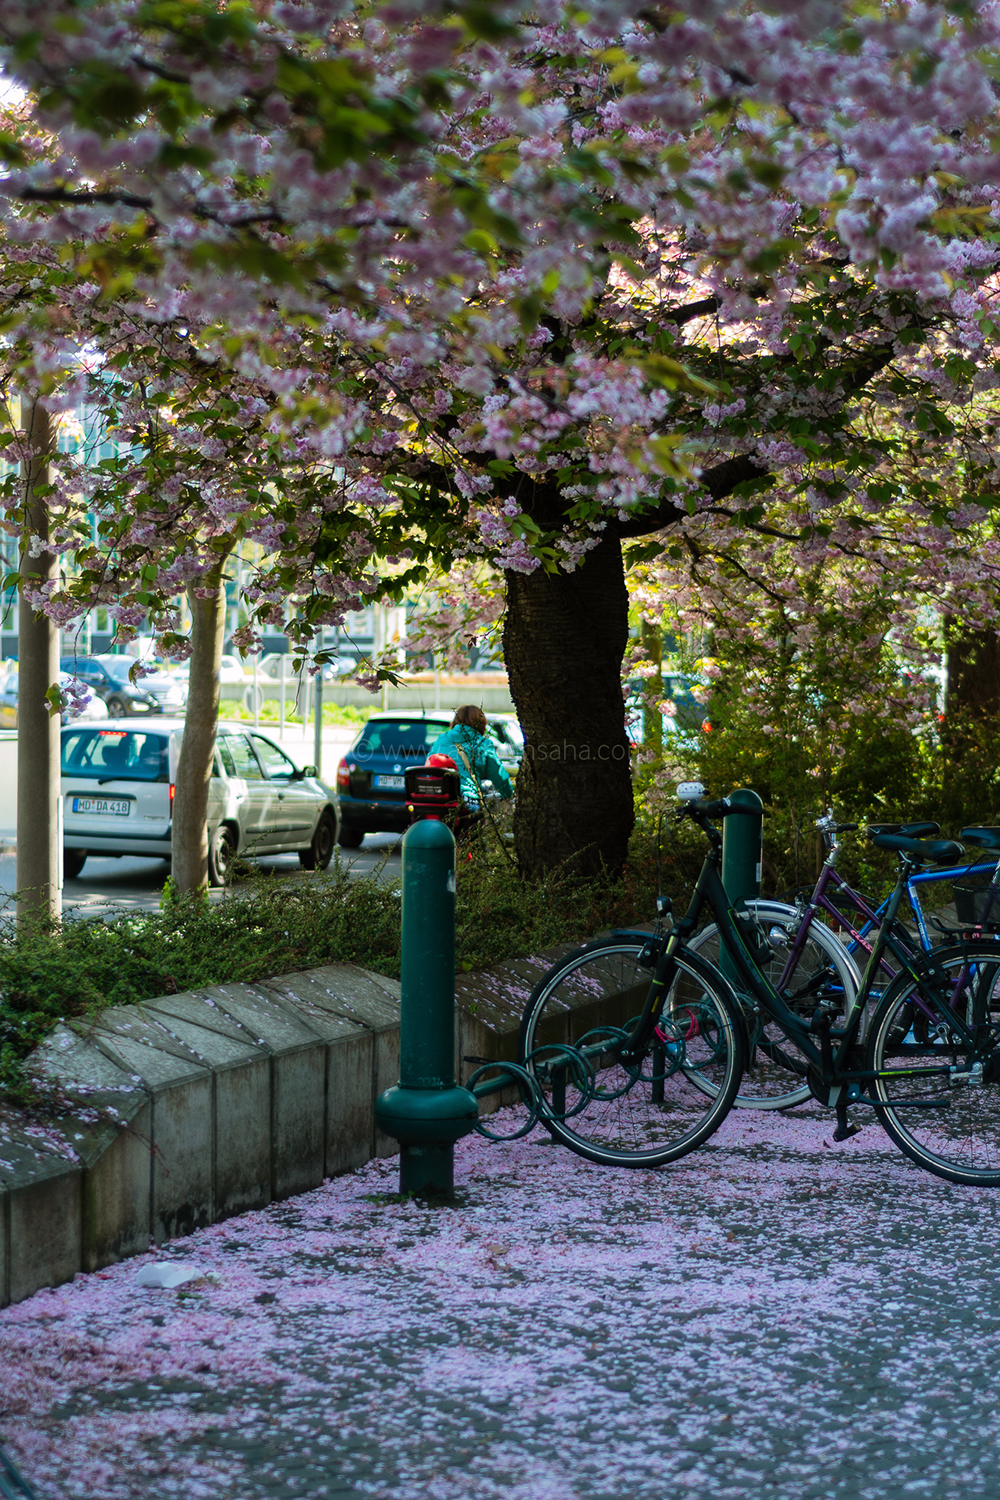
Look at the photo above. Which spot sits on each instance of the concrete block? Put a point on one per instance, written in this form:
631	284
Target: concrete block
349	1120
298	1082
383	982
372	1001
108	1130
44	1209
352	994
241	1098
179	1087
196	1008
599	998
489	1005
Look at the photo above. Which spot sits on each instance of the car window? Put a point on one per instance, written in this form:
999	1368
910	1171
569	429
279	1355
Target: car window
508	738
118	667
244	760
226	756
84	667
125	754
276	764
399	737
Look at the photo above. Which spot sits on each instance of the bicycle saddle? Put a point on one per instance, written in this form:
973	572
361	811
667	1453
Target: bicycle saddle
929	851
983	838
911	830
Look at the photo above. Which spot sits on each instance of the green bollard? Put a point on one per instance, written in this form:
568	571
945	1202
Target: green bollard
742	849
427	1112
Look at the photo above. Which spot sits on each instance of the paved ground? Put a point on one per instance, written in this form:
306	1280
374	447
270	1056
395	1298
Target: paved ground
773	1316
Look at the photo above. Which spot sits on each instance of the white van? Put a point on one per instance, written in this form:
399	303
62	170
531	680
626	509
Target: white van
118	795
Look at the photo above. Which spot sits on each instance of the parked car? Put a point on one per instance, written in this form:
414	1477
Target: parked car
94	709
269	667
508	738
371	777
680	727
231	669
108	678
118	797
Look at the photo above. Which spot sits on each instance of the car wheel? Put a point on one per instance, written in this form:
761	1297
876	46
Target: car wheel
73	862
220	856
116	708
320	851
350	837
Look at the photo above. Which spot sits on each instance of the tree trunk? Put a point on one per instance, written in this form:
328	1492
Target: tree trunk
652	719
39	894
973	671
564	639
190	824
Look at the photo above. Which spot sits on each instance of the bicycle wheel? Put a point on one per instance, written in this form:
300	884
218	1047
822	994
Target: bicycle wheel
937	1096
775	1071
647	1113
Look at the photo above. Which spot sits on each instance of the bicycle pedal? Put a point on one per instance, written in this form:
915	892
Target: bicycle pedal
845	1133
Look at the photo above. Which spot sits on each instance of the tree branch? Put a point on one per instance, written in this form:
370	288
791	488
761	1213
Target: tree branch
719	481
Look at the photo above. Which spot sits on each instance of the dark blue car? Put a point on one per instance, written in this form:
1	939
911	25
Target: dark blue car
371	777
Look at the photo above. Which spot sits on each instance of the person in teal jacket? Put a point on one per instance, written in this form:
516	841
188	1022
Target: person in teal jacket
469	746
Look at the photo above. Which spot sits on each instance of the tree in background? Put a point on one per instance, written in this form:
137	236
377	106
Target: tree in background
540	288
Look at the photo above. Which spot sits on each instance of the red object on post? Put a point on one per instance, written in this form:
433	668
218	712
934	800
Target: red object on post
434	790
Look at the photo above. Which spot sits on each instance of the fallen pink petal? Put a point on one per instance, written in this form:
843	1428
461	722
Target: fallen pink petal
772	1315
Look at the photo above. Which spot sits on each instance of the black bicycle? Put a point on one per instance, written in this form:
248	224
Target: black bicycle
637	1045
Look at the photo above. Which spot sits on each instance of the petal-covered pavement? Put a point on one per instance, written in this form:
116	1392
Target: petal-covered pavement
775	1315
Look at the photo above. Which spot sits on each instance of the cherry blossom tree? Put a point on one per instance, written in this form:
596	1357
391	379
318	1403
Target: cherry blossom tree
534	286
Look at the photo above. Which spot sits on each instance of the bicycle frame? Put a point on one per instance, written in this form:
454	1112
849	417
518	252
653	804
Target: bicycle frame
830	876
816	1043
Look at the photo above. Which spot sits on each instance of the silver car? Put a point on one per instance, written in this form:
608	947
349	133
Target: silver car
118	795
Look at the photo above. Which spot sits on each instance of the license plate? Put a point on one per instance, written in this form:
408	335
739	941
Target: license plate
118	807
391	783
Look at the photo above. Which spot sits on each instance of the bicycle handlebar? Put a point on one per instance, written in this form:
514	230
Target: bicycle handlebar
716	807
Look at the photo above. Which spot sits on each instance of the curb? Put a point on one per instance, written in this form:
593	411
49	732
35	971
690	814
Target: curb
191	1108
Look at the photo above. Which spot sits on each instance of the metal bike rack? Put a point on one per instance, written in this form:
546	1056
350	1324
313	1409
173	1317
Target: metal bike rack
428	1111
13	1485
571	1074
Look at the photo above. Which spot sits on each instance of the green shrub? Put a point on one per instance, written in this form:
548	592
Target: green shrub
265	927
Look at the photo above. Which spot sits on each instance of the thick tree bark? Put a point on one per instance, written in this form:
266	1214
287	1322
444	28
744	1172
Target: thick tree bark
652	720
973	671
564	638
39	896
190	825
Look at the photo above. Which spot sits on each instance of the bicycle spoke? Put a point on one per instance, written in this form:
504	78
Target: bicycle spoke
638	1113
935	1048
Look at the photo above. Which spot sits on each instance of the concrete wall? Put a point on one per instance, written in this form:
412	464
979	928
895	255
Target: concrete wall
190	1108
489	689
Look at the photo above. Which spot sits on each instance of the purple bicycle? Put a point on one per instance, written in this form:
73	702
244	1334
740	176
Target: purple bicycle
808	960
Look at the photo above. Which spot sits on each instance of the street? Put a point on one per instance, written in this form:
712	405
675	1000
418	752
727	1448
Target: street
107	886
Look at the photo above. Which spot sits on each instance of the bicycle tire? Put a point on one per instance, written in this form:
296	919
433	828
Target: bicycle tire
959	1138
775	1072
638	1116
